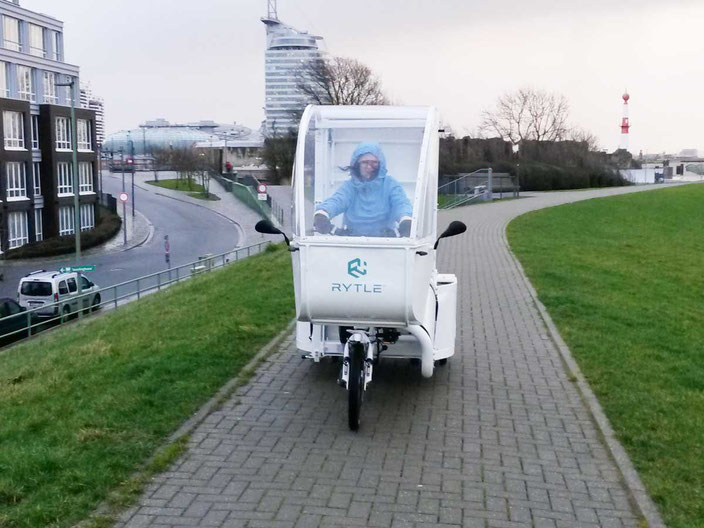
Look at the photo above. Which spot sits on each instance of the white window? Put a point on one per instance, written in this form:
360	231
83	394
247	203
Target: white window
87	217
63	133
4	88
16	180
25	83
17	229
36	40
85	175
83	133
37	178
38	225
66	221
11	33
35	132
65	178
13	128
68	95
57	45
50	88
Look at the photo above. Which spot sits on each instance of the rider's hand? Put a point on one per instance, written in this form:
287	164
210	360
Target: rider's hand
404	228
321	223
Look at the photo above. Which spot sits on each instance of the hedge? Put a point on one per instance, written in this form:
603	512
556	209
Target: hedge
536	176
108	226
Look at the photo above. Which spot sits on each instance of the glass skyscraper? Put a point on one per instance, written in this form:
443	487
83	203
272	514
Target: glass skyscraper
287	50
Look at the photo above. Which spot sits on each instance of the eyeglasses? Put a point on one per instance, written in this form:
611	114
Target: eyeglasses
371	163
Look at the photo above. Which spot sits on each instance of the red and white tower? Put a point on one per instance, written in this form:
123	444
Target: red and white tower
625	125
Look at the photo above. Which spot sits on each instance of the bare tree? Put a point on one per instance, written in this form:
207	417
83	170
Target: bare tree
332	81
528	115
207	166
187	163
279	154
584	136
340	81
161	160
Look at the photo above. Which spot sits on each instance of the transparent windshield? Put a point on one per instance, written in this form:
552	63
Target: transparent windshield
360	176
36	289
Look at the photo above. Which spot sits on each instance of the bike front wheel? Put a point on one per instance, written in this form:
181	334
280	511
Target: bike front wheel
355	390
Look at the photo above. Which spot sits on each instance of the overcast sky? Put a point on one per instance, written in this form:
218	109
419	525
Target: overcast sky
187	60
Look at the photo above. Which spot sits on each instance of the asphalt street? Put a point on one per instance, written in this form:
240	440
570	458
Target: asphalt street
192	230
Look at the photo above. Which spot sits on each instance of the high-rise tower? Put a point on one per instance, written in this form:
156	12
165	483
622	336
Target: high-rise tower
287	50
90	101
625	124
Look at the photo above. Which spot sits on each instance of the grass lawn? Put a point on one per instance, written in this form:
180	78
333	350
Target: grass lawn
176	184
202	196
84	407
193	189
622	278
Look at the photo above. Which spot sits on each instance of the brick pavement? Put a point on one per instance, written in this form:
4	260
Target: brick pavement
499	437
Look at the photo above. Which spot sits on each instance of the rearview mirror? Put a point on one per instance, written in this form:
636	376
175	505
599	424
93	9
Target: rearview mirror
455	228
267	228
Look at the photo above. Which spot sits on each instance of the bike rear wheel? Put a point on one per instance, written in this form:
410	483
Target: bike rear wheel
355	390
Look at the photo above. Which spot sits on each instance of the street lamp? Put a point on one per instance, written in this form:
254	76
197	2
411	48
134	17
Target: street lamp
130	160
124	212
71	82
99	148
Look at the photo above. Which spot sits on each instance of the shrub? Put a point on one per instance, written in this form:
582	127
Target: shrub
108	226
535	176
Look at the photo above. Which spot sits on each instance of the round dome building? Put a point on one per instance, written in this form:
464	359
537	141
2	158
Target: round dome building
145	140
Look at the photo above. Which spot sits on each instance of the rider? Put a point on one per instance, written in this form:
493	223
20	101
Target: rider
372	201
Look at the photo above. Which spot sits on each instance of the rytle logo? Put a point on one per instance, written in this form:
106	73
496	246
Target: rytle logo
356	268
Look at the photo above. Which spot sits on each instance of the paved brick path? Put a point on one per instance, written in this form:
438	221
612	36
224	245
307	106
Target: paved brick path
499	437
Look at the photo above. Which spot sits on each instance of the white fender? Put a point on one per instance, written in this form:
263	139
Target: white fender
426	344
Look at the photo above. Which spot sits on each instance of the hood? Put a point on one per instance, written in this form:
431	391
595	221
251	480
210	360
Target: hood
370	147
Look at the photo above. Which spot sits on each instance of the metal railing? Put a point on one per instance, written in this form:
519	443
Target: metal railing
278	213
30	322
476	185
245	191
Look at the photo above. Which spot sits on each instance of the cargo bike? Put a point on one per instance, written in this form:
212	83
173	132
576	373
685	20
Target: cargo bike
364	242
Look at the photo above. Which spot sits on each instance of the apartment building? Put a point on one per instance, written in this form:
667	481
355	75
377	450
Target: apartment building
36	169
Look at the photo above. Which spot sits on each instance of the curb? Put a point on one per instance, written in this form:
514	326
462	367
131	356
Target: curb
150	233
226	390
638	493
190	425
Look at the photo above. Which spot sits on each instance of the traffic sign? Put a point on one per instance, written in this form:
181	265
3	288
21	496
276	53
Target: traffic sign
261	197
124	197
129	161
77	269
261	188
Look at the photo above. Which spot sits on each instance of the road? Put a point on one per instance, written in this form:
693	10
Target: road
192	230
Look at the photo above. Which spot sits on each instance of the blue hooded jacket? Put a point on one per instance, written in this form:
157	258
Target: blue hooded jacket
371	207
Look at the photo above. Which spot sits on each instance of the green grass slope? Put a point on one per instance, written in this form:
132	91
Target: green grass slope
623	279
82	408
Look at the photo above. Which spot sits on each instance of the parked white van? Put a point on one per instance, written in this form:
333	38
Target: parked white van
46	288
